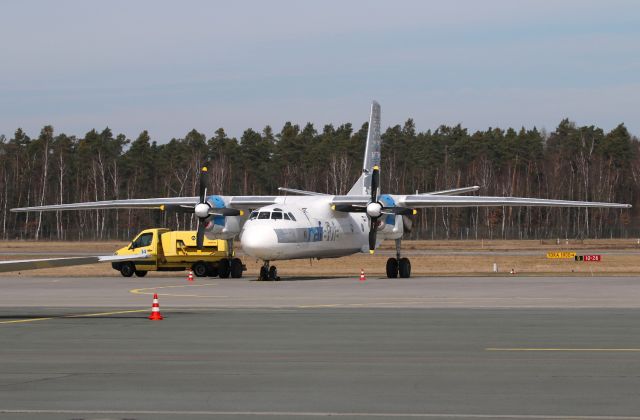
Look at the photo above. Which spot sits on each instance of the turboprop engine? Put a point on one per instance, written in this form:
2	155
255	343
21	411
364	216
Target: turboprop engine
227	228
214	218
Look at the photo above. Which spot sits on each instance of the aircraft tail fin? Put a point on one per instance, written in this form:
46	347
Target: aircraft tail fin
371	153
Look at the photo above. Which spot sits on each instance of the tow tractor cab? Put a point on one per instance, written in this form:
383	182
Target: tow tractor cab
177	251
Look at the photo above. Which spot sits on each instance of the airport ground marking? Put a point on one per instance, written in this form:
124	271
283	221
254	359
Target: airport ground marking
17	321
150	291
551	349
129	311
320	414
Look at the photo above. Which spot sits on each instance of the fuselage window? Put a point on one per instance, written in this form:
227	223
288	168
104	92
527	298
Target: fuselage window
263	215
254	214
291	216
286	216
276	215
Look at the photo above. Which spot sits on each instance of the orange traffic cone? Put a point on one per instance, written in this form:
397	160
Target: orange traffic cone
362	276
155	309
190	276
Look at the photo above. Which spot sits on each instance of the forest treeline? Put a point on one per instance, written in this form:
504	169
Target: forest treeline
572	162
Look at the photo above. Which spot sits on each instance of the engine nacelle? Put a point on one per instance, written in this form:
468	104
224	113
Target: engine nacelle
228	229
381	224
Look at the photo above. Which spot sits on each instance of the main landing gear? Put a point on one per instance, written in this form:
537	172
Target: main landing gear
268	273
398	265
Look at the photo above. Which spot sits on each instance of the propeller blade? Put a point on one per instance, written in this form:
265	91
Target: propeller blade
349	208
402	211
407	224
372	236
202	223
375	178
203	183
225	212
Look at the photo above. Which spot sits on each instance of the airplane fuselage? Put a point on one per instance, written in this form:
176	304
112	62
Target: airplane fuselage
307	227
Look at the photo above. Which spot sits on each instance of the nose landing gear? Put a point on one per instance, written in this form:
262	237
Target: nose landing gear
268	273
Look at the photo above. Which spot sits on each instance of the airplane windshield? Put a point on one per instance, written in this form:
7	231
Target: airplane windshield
254	214
291	216
263	215
286	216
276	215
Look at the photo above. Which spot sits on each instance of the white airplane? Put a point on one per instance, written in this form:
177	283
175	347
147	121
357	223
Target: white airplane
317	225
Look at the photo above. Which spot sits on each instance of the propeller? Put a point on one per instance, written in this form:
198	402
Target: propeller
374	210
203	209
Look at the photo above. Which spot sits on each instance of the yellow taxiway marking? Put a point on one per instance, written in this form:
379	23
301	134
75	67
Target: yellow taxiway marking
16	321
560	349
150	291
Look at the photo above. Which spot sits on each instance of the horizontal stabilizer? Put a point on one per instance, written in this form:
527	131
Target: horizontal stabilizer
300	192
454	191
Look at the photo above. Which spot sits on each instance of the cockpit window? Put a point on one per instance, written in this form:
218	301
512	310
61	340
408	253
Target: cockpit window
286	216
263	215
254	214
276	215
291	216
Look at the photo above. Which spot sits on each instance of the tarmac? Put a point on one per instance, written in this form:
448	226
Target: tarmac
443	347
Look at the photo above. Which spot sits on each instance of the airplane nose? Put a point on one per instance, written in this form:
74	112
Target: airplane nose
259	242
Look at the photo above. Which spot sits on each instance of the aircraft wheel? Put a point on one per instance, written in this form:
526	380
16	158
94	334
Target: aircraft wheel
236	268
392	268
224	268
264	273
404	267
273	273
199	269
127	269
141	273
212	271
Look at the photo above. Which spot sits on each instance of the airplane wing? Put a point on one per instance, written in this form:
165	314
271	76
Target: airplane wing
417	201
438	200
21	265
240	202
141	203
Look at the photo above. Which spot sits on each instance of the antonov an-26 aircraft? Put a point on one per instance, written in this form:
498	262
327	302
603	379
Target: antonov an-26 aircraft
316	225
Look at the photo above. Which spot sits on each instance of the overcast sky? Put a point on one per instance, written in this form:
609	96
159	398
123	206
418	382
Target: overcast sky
172	66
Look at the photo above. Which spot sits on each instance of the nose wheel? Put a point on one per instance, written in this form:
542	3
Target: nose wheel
268	273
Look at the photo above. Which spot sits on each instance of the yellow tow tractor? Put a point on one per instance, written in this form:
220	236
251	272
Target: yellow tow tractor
177	251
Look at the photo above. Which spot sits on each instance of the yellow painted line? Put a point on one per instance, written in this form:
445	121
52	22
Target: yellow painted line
141	291
16	321
152	290
106	313
561	349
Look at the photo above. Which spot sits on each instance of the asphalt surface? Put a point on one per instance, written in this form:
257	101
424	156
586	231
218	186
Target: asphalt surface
462	348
